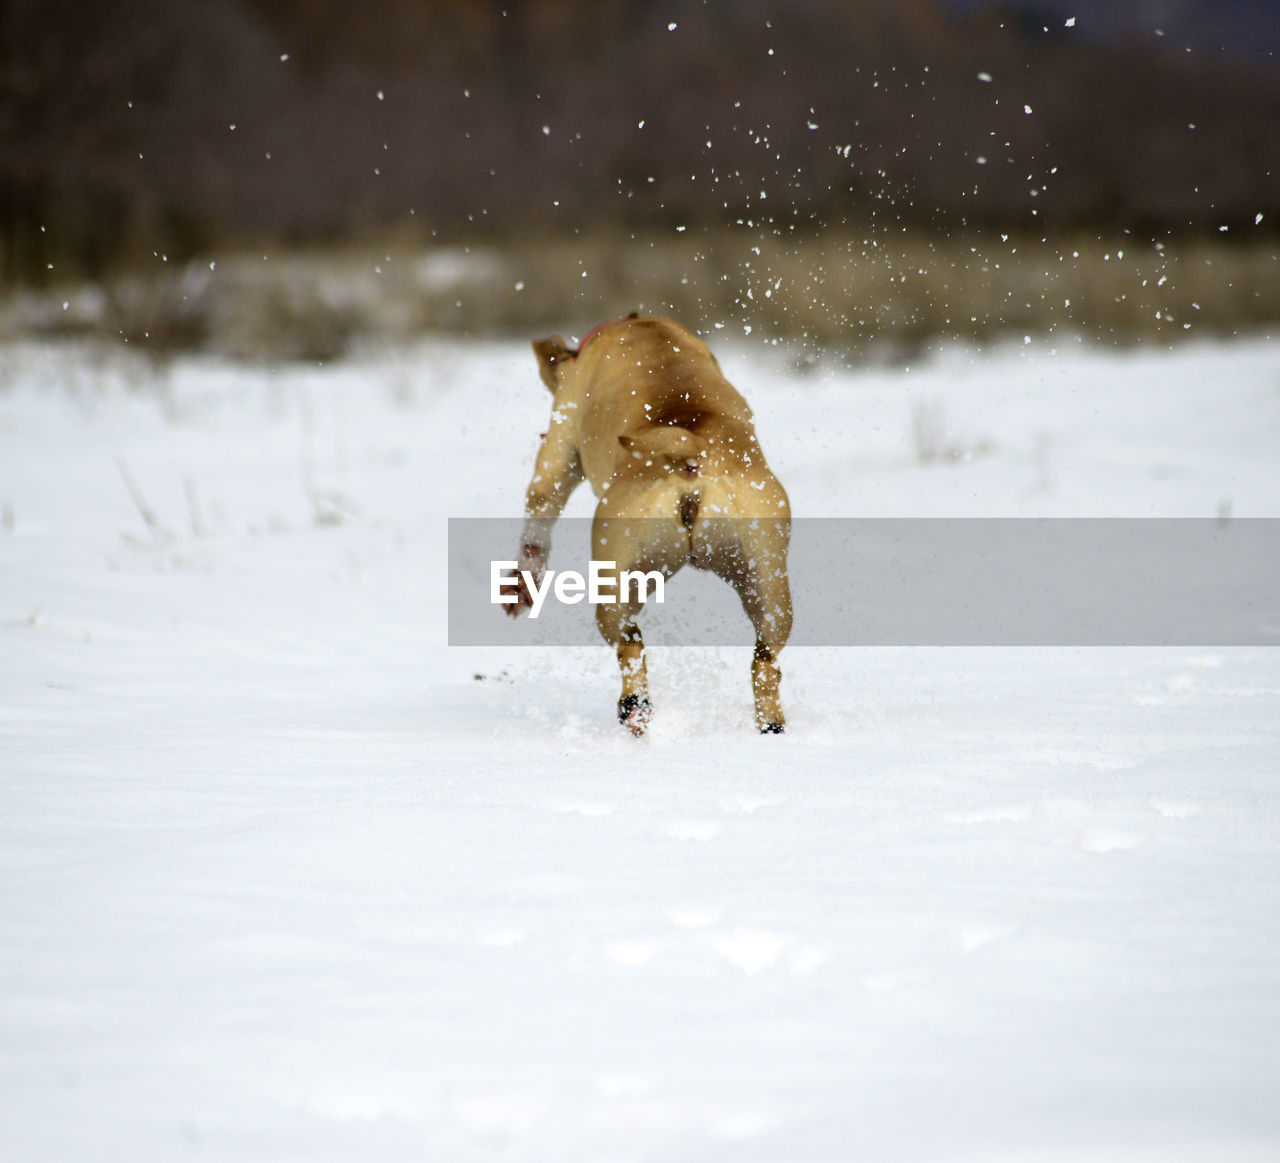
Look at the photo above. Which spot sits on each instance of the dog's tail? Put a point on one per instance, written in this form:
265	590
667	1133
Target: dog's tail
662	442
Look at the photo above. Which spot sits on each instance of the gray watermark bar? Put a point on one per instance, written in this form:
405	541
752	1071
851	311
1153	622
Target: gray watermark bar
915	582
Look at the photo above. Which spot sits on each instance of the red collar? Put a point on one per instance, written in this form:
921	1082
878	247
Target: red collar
596	331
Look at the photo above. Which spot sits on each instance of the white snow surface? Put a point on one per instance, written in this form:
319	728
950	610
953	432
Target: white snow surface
282	879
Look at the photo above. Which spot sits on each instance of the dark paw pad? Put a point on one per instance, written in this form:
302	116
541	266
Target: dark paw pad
772	729
634	712
631	704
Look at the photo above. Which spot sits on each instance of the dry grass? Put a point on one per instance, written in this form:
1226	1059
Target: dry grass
878	293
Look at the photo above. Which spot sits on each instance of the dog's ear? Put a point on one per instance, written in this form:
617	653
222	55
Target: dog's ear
551	352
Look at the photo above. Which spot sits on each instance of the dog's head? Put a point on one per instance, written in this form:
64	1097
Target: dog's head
554	351
551	352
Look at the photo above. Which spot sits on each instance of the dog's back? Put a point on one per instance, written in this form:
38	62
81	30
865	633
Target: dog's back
658	424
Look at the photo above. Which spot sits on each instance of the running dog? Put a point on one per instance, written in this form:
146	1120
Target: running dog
642	410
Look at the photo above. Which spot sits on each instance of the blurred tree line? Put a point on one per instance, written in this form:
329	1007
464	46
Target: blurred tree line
131	127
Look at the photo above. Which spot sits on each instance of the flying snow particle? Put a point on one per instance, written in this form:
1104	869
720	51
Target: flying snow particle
1257	219
672	26
1026	109
985	78
284	56
1071	22
546	131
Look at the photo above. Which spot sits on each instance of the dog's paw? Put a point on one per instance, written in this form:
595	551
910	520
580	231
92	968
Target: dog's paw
634	713
514	582
532	563
773	729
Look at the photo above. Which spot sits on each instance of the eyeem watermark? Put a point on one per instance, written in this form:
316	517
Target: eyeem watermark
604	583
901	582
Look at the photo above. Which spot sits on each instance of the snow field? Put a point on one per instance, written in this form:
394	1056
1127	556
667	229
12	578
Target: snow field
281	877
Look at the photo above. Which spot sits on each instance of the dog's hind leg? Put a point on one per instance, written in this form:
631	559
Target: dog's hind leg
757	569
616	623
644	545
766	679
768	605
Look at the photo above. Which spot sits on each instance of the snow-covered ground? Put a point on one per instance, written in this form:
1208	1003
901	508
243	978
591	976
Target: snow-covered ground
283	876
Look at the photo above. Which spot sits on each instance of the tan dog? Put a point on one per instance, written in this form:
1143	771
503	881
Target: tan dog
644	413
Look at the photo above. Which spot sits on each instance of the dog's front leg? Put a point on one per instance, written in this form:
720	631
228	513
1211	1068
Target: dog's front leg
557	472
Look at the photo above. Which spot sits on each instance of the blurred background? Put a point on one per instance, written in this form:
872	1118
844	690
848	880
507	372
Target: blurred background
281	179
